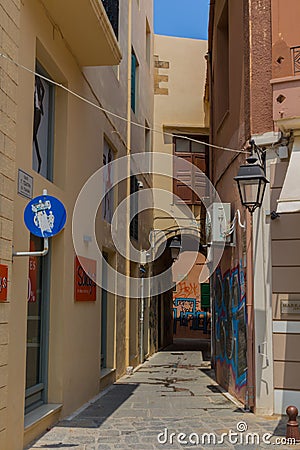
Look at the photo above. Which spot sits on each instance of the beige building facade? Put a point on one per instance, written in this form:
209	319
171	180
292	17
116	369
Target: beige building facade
10	24
179	113
284	200
253	79
61	345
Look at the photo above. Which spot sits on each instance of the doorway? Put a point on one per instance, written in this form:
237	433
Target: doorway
37	327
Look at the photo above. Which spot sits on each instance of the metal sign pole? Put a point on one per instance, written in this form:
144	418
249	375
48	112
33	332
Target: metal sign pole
37	253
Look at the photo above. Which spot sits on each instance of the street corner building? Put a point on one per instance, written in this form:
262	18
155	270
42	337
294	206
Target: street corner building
253	78
62	338
86	89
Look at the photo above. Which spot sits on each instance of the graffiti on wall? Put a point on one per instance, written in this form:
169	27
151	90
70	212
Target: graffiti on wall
230	321
186	314
187	290
187	307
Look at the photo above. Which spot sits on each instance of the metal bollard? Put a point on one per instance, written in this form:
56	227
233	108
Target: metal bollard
292	429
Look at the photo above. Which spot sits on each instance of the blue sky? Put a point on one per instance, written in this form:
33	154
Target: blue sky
182	18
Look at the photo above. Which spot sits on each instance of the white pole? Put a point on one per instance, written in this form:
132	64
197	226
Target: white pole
142	321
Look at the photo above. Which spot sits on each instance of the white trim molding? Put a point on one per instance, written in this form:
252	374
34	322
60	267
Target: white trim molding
284	398
285	326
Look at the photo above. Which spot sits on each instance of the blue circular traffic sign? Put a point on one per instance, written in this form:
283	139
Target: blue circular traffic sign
45	216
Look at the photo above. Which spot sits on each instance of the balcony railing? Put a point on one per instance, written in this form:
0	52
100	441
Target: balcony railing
112	11
296	59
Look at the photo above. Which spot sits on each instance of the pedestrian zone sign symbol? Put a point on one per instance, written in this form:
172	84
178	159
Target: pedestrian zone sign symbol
45	216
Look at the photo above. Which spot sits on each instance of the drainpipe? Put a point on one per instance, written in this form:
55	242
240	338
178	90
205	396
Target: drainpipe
142	303
127	262
142	270
211	157
250	393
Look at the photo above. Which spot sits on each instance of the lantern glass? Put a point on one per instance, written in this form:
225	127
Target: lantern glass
249	191
251	182
175	247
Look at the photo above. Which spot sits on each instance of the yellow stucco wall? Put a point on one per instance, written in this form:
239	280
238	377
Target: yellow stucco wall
74	329
179	80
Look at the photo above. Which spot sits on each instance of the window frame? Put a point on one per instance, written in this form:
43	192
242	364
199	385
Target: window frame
134	80
51	124
192	157
37	394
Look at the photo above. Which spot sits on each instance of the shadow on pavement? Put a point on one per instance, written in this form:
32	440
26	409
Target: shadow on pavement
60	445
100	410
280	429
194	345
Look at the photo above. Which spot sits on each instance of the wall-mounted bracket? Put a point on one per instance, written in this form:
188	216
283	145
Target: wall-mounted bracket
37	253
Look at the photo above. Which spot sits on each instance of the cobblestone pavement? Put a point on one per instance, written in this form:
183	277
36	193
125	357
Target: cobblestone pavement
173	392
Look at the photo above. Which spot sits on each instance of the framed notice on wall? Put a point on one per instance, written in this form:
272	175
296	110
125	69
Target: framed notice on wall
290	307
84	279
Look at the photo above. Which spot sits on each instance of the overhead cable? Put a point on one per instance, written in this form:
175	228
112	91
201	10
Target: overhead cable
100	108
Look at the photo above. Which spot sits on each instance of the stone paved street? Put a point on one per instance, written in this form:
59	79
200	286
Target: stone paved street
173	390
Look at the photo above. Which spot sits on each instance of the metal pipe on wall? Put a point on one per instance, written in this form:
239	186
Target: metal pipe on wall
250	394
128	144
142	321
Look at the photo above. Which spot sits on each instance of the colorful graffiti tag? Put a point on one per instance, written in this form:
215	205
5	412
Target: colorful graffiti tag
187	290
185	311
230	336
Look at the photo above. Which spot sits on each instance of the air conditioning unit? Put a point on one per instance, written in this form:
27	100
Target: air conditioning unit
217	222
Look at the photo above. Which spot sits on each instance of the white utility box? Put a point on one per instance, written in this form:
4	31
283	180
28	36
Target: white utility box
217	222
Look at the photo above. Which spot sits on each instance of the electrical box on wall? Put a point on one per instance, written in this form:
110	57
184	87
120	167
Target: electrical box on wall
217	222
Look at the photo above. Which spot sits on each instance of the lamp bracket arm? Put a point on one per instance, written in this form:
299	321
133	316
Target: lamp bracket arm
260	152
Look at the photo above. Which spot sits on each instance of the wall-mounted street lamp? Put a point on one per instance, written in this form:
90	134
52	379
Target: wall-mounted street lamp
251	179
175	247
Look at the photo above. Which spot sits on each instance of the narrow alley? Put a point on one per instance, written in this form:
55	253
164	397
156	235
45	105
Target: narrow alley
172	392
149	224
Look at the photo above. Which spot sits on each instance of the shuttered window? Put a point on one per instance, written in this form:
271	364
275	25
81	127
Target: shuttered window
185	179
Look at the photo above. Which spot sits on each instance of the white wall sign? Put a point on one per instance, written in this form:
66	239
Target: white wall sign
25	184
290	306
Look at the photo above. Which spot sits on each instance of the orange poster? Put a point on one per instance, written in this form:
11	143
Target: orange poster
84	279
32	275
3	282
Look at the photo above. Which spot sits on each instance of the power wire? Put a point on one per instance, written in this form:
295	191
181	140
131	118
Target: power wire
100	108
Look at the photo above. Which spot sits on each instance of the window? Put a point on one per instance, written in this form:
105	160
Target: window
148	146
108	200
148	43
103	356
107	319
134	224
134	81
182	145
43	125
222	67
37	327
112	10
185	179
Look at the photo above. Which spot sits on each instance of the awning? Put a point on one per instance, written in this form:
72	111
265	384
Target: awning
289	200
